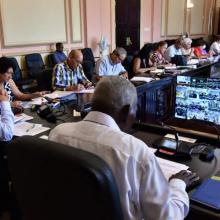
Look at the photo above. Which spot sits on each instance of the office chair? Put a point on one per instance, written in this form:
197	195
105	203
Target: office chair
34	64
17	75
51	61
88	63
54	181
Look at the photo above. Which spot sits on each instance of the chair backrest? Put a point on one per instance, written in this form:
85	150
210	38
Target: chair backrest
34	63
17	75
51	61
88	55
54	181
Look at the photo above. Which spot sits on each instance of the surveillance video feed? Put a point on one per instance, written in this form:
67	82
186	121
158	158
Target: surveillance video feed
198	98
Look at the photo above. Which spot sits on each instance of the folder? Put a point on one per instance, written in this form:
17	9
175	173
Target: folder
208	193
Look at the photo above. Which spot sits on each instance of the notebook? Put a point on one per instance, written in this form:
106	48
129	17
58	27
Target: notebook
208	193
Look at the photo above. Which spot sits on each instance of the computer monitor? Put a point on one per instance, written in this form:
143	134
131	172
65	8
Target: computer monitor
198	98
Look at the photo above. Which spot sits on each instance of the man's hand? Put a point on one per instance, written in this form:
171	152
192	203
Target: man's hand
80	87
88	85
125	75
187	176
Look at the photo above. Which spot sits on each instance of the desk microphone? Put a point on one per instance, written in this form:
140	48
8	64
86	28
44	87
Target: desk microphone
171	147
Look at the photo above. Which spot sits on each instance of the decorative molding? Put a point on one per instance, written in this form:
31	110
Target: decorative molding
76	25
23	42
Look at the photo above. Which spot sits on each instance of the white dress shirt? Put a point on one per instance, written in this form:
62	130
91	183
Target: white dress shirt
171	52
215	47
105	67
6	122
144	191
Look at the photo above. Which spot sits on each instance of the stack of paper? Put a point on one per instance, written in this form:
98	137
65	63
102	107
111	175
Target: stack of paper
36	101
168	167
22	117
142	79
26	128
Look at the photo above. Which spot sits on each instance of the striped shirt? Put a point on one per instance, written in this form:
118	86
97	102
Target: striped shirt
64	76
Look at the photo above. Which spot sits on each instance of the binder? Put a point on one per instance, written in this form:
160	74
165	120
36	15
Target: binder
208	193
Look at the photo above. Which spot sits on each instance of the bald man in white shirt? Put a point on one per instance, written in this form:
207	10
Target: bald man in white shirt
144	191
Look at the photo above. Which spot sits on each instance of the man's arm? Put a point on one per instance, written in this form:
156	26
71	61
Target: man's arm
101	68
160	199
58	82
7	120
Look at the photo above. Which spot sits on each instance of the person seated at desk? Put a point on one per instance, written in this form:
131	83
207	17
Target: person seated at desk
69	75
110	65
7	117
59	55
173	50
144	191
200	51
215	47
186	49
7	83
157	57
142	62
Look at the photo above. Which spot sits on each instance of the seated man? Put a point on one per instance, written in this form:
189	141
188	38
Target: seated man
59	55
173	50
69	75
110	65
144	191
7	118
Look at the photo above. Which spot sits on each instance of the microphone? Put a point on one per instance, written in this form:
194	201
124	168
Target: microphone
171	147
176	134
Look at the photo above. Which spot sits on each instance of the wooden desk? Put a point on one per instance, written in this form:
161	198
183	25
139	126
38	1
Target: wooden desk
149	133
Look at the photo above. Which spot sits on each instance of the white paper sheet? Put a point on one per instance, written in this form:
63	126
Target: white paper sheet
181	138
22	117
142	79
26	128
36	101
169	167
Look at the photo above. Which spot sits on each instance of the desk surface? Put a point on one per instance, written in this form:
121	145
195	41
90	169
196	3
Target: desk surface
149	134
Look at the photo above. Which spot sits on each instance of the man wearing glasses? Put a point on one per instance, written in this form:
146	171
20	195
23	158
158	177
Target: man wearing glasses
110	65
69	75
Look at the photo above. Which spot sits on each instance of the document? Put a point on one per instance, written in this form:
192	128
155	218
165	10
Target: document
169	167
22	117
26	128
36	101
181	138
59	94
85	91
142	79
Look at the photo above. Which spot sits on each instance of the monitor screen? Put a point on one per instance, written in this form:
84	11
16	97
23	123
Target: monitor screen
198	98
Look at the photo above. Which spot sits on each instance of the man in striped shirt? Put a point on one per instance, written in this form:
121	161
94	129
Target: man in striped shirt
69	75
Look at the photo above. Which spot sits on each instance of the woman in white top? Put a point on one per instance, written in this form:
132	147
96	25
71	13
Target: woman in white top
215	47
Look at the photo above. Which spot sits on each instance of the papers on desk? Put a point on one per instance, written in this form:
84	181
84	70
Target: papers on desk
22	117
26	128
169	167
142	79
85	91
36	101
170	67
192	61
181	138
157	71
59	94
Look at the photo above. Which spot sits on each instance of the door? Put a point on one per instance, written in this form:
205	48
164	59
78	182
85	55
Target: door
127	14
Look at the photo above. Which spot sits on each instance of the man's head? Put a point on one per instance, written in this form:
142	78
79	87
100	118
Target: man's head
116	97
7	68
118	55
59	47
178	43
75	58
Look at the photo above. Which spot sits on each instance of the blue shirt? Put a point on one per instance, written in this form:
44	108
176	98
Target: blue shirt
59	57
6	121
171	52
105	67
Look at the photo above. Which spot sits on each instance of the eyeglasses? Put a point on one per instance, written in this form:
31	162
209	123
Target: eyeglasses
118	56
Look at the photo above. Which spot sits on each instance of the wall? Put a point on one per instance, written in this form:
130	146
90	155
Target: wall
29	26
162	19
82	23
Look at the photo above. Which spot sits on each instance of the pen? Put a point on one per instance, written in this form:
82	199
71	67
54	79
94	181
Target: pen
27	130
